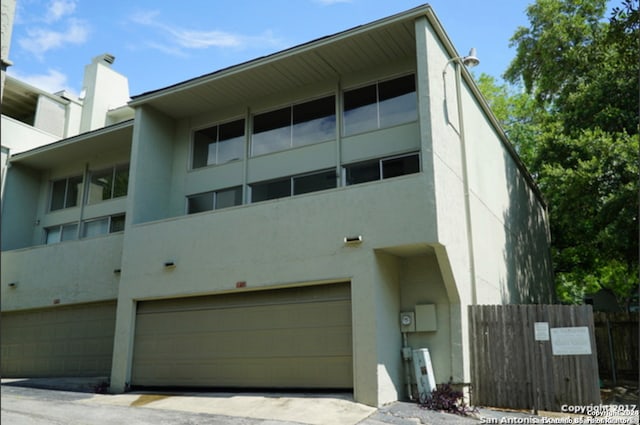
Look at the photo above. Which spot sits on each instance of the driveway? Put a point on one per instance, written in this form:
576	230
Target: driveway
39	402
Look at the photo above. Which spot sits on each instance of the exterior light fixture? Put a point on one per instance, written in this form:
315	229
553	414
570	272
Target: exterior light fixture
12	285
353	240
471	59
169	265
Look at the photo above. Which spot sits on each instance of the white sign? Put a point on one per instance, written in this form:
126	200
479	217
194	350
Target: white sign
570	341
541	331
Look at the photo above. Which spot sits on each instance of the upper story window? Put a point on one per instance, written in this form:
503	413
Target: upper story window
214	200
61	233
90	228
103	225
65	193
297	125
295	185
380	105
382	168
218	144
107	184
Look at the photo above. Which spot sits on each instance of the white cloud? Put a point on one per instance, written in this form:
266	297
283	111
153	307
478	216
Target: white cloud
56	9
52	81
185	38
40	41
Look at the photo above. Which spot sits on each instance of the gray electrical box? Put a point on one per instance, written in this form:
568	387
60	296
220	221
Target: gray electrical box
426	318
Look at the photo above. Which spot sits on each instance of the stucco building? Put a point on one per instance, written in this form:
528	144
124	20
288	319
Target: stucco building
265	225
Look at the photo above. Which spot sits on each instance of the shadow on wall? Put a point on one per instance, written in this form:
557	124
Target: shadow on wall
527	252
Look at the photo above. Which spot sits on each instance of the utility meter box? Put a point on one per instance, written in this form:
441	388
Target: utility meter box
426	318
425	379
407	321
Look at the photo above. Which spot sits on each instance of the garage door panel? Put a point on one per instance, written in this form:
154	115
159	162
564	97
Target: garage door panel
297	337
62	341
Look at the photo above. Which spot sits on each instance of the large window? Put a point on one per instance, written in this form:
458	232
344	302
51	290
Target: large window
295	185
90	228
103	225
61	233
382	169
218	144
108	184
297	125
214	200
380	105
65	193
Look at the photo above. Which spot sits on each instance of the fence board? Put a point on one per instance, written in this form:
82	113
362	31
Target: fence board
510	369
617	341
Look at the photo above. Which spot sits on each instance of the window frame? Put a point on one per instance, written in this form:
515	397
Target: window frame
214	200
378	118
65	200
109	226
292	187
217	125
114	172
60	228
380	162
290	107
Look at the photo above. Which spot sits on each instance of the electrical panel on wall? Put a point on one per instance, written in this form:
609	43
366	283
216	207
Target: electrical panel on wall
426	318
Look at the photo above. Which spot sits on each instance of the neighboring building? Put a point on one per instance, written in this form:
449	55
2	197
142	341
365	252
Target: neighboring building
32	117
265	225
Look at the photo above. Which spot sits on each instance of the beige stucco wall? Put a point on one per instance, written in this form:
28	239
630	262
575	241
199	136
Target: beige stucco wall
286	242
66	273
507	220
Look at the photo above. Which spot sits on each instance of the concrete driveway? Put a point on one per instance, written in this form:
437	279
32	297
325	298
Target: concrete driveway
40	401
72	401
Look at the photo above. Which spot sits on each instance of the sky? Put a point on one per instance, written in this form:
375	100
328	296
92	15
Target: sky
160	43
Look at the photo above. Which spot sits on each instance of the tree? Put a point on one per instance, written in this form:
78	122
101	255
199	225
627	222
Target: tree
576	126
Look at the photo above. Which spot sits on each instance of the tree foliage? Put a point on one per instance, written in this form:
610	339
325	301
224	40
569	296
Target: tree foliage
575	123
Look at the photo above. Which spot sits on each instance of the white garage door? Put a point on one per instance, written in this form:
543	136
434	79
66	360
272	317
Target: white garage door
285	338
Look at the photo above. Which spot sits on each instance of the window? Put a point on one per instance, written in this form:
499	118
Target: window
218	144
296	185
61	233
65	193
297	125
103	225
90	228
108	184
380	105
382	169
214	200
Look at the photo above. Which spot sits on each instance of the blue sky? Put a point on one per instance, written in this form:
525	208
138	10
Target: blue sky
159	43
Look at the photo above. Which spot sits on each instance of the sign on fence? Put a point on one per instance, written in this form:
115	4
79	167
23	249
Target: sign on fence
570	341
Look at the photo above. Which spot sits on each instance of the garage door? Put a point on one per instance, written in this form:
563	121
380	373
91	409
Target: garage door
62	341
287	338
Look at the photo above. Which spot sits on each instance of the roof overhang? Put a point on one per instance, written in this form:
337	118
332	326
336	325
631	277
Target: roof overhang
325	59
116	137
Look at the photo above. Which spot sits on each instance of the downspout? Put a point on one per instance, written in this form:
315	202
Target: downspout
465	185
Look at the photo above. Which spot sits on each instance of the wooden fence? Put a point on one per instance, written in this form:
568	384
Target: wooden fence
617	342
513	363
